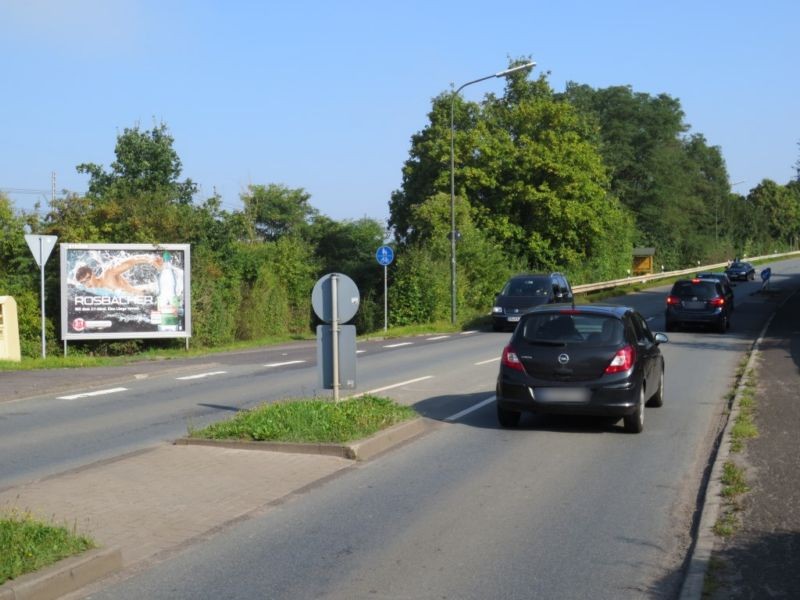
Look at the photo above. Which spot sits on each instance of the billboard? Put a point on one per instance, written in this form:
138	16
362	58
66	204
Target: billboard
125	291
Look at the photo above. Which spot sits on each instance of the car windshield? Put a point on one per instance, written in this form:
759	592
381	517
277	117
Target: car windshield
532	286
738	266
702	290
555	328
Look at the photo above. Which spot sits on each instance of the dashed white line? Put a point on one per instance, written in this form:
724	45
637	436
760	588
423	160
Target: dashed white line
394	385
469	332
201	375
486	362
398	345
97	393
360	351
283	364
466	411
438	337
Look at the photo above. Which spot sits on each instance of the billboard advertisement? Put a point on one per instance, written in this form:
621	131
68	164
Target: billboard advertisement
125	291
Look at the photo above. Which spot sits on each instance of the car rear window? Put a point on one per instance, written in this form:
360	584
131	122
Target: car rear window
583	328
703	289
529	286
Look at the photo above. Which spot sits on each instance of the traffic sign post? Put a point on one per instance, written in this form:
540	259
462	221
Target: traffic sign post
385	256
41	246
335	299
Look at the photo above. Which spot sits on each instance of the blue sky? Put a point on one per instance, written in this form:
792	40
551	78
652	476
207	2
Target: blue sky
326	95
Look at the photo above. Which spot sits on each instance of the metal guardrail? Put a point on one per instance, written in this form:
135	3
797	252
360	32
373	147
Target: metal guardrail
607	285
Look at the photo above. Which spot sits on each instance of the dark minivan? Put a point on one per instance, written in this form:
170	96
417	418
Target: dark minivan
697	301
523	292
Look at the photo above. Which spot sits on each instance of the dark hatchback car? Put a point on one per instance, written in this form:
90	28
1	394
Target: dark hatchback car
697	301
727	286
741	270
599	360
523	292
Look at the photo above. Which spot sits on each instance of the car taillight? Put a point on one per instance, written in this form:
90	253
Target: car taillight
511	360
717	301
673	300
622	361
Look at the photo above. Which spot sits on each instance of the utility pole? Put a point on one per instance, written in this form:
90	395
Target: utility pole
53	183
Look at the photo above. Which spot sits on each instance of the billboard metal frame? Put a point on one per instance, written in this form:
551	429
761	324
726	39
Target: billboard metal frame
147	302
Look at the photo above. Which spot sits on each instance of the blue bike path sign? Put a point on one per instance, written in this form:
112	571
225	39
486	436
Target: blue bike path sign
384	255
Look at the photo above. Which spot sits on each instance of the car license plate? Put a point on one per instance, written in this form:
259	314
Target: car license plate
561	394
513	319
694	305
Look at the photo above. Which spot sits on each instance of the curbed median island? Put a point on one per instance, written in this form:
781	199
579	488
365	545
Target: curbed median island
28	544
355	428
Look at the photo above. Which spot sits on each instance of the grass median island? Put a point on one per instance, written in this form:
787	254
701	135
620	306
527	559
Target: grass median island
316	421
27	545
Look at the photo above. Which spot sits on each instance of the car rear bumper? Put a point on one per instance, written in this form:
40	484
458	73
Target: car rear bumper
714	317
612	399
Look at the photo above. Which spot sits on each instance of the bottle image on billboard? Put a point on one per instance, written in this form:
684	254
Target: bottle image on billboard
169	302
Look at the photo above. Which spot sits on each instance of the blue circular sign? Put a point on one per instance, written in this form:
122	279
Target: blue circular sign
385	255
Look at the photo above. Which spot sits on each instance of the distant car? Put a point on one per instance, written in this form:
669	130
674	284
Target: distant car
523	292
727	286
600	360
741	270
697	301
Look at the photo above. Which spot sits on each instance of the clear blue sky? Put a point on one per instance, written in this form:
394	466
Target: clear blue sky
326	95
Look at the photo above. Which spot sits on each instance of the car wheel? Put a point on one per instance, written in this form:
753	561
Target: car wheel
634	422
508	418
658	398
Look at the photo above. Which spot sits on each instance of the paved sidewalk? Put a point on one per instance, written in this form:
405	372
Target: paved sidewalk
158	499
762	560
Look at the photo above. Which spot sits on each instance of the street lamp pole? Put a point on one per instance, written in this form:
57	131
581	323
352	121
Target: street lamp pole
505	73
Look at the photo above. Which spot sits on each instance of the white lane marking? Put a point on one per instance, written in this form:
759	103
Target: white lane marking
97	393
466	411
649	318
200	375
486	362
283	364
394	385
469	332
360	351
438	337
398	345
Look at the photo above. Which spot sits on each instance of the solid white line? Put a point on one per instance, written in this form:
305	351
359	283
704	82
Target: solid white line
469	332
466	411
97	393
283	364
438	337
398	345
200	375
394	385
486	362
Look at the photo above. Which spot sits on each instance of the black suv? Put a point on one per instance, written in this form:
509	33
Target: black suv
699	301
523	292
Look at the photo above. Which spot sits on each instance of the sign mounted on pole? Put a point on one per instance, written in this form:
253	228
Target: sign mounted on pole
384	255
41	246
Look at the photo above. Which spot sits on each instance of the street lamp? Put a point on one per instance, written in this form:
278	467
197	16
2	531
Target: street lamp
505	73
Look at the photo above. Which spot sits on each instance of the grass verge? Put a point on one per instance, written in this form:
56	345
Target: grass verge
27	545
309	420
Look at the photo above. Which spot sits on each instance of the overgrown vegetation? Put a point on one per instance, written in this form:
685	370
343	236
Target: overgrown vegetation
29	544
317	421
545	180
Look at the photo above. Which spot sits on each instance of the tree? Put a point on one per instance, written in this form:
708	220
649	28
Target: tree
276	210
528	164
146	163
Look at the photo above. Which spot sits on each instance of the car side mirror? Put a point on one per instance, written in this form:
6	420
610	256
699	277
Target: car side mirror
661	338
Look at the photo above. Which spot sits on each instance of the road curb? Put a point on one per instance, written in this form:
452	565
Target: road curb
63	577
692	588
359	450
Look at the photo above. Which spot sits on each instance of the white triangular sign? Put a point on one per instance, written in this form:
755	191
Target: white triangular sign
41	246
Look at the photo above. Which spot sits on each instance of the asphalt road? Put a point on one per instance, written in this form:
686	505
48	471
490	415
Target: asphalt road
561	507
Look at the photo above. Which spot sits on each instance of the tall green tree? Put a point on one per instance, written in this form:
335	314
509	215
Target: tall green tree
146	163
528	165
275	210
